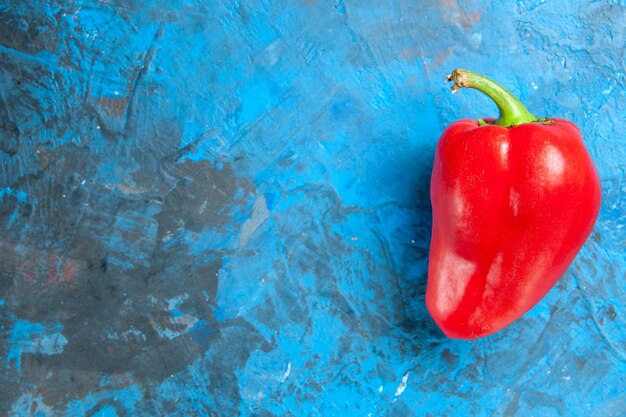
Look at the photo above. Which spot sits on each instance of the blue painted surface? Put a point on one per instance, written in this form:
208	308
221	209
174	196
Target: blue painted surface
221	208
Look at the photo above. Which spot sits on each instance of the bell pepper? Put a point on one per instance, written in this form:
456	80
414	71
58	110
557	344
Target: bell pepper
513	201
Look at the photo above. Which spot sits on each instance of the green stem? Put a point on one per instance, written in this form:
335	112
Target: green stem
512	111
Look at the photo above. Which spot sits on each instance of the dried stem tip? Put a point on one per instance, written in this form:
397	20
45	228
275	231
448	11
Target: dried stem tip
512	112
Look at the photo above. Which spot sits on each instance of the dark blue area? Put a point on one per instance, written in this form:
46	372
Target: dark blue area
222	208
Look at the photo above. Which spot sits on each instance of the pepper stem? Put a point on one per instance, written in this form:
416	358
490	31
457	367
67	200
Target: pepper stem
512	111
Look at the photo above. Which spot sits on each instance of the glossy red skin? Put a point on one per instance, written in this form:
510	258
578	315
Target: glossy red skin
511	209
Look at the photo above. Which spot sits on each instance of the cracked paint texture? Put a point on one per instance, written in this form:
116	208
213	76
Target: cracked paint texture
222	208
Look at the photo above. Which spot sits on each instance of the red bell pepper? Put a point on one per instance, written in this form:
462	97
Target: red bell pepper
513	200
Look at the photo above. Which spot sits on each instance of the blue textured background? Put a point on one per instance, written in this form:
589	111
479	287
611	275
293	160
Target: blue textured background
221	208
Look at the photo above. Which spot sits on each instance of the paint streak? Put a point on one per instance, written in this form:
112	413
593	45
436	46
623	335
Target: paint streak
35	338
68	272
402	385
260	214
176	323
41	267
